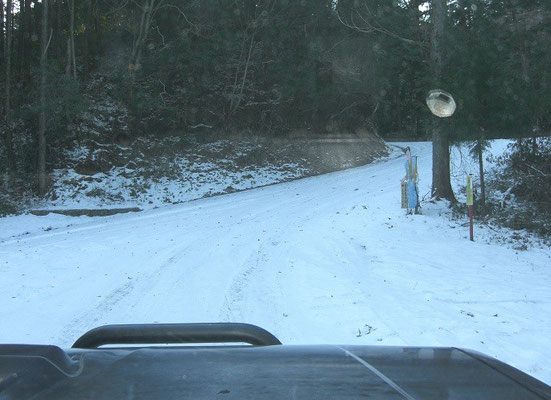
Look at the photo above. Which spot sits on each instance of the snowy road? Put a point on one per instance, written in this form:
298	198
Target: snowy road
329	259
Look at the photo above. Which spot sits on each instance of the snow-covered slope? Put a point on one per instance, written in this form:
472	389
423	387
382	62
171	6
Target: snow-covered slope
327	259
152	172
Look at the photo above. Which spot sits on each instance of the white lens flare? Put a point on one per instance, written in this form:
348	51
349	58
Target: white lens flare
441	103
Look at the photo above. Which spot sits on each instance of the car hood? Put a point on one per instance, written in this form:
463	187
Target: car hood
260	372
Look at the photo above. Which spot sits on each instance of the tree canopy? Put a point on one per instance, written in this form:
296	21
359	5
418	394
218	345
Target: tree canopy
272	66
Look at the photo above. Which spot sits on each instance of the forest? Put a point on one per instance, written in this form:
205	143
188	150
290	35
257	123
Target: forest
266	67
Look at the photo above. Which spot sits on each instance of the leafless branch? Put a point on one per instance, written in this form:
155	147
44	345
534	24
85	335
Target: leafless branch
201	125
117	9
160	34
181	13
163	92
537	170
138	5
368	27
354	104
48	45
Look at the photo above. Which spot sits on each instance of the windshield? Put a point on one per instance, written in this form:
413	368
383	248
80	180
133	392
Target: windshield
352	172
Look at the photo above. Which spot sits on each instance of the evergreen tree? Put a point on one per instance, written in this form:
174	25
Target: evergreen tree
272	66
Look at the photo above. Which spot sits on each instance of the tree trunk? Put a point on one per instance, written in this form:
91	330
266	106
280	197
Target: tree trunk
234	107
69	58
236	77
59	42
148	9
20	40
7	106
441	185
35	24
97	29
73	38
23	51
42	117
2	43
71	68
86	45
27	46
481	173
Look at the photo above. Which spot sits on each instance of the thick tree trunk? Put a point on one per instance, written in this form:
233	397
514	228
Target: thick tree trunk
27	46
2	43
7	103
23	50
42	117
35	24
97	29
58	28
71	68
69	59
73	55
21	39
86	45
441	185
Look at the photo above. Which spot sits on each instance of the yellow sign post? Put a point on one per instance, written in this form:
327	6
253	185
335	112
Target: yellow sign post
470	201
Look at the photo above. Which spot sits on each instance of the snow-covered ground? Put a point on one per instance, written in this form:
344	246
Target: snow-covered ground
327	259
186	178
152	173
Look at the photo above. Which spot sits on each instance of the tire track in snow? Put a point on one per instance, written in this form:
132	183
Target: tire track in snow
254	291
255	294
92	318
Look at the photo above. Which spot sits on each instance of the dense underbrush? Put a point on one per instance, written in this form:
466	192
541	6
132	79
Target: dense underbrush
519	189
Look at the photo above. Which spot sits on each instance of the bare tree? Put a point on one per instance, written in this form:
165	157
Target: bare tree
441	184
44	43
362	19
236	98
260	14
148	10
